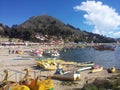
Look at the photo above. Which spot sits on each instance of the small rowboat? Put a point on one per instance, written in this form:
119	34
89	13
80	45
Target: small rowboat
67	76
97	70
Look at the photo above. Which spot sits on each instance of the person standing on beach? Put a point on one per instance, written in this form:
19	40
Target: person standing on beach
13	51
9	51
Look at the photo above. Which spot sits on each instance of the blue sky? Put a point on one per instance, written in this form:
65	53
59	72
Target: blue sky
103	16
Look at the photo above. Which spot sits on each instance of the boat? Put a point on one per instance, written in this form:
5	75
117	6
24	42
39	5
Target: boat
22	58
45	84
4	82
11	85
65	76
68	63
48	66
112	70
85	64
51	53
51	64
55	54
37	84
97	69
19	87
19	52
37	53
105	47
54	60
83	69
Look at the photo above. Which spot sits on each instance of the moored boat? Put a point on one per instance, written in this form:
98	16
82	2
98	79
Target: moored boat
105	47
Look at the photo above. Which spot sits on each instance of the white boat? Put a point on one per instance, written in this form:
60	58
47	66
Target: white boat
84	68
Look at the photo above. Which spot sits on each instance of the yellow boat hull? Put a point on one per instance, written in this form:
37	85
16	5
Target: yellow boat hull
19	87
97	70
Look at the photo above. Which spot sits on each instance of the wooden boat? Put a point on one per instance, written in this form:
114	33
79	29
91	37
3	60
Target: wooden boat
67	76
105	47
85	64
97	70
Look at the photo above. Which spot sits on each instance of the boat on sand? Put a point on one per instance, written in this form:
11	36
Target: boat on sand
97	69
65	76
85	64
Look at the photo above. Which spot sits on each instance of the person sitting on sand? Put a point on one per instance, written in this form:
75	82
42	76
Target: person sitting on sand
59	70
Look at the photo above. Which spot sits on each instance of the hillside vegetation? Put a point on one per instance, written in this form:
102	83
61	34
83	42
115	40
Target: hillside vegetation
46	28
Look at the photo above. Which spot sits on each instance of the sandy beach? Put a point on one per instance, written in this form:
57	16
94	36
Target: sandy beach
16	70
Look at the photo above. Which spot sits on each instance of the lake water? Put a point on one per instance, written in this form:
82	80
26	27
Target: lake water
104	58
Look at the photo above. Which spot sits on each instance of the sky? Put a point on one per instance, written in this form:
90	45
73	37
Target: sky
97	16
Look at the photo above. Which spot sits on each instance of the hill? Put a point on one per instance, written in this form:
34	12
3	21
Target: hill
46	28
4	30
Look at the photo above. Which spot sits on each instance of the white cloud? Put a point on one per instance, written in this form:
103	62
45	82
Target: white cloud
105	19
116	33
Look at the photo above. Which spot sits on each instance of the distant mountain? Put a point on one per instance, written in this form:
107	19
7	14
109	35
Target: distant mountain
46	28
4	30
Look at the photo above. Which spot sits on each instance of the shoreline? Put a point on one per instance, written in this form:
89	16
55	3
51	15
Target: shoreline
16	72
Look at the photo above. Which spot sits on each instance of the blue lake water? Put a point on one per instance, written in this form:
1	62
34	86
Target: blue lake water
104	58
